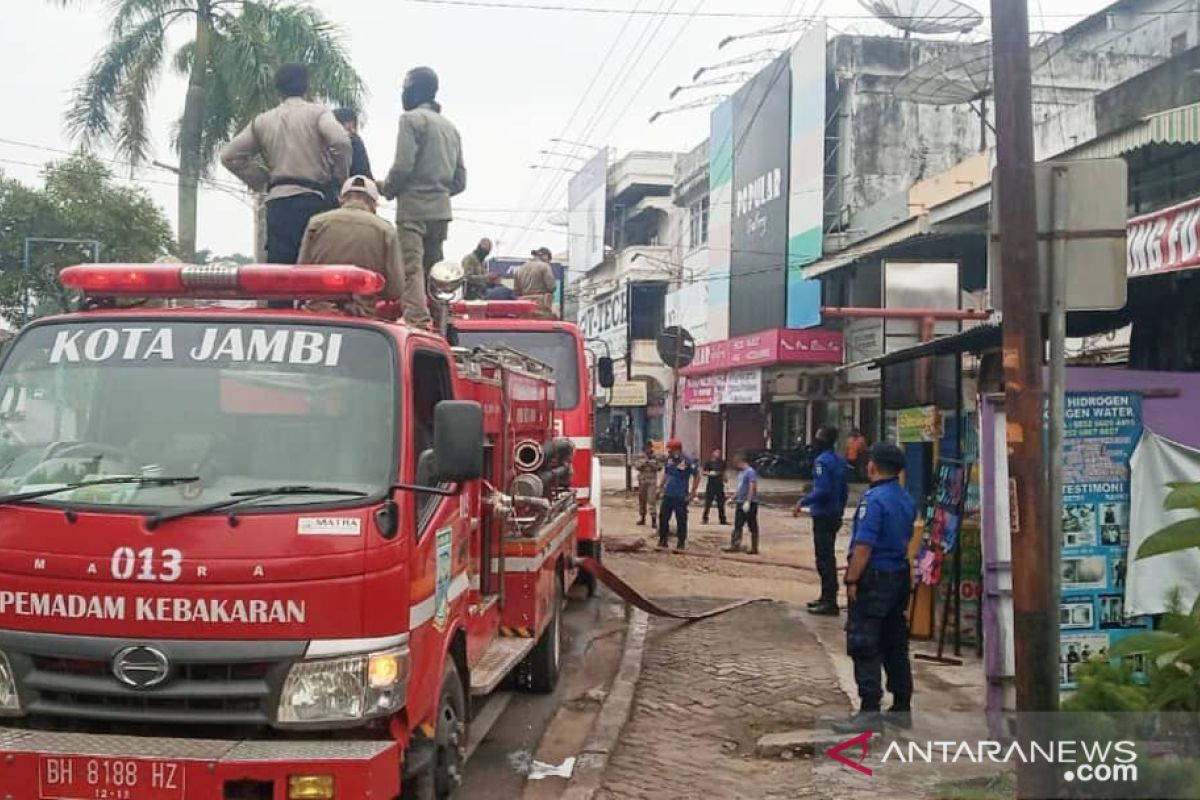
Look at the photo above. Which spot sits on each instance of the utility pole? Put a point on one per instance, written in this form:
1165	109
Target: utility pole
1035	609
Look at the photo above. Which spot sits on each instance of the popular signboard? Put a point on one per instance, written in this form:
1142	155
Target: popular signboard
586	203
806	204
761	186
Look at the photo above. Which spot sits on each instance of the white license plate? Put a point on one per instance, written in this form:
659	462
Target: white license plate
102	778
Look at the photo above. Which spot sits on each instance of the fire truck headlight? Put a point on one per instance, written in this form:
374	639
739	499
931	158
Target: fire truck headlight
10	702
344	689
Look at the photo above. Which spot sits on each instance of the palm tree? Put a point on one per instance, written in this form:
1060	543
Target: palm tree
229	63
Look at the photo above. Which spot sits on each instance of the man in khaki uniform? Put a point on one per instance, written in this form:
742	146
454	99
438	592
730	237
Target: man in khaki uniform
475	270
535	281
648	467
354	234
428	171
296	153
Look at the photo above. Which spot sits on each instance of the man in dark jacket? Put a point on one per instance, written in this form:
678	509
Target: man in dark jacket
714	488
360	163
826	503
428	171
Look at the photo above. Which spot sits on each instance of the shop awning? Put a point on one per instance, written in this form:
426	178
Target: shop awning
867	247
972	340
1179	125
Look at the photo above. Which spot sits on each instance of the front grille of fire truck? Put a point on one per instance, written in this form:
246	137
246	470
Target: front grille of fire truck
83	694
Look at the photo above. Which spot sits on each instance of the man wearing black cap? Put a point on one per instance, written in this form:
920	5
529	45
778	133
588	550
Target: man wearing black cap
535	281
428	171
877	587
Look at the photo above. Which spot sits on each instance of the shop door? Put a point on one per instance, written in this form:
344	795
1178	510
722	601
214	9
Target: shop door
745	431
710	432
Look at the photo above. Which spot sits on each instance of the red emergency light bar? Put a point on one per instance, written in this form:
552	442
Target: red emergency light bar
494	309
194	280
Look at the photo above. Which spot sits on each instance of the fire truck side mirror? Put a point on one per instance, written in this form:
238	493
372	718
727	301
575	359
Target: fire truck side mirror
458	441
606	372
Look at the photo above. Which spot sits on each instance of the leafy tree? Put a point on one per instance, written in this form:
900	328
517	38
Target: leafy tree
80	200
230	61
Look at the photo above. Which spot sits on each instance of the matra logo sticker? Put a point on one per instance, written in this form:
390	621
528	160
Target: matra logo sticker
445	566
329	526
231	345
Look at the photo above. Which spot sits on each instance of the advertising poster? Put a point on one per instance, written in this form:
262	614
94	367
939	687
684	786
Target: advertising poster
761	180
1102	430
586	197
918	424
970	586
943	521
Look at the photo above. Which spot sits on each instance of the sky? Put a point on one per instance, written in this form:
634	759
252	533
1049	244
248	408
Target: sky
512	80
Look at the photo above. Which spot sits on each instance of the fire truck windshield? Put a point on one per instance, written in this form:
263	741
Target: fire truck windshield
239	405
556	348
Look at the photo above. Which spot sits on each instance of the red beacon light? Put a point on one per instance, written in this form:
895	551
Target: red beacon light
494	309
194	280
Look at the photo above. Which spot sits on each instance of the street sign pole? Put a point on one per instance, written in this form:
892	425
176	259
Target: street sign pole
1034	606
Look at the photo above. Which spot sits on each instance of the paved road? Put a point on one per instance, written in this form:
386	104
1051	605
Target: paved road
535	727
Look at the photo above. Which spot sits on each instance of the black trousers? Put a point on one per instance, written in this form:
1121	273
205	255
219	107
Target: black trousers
825	531
745	519
287	219
877	637
714	492
677	506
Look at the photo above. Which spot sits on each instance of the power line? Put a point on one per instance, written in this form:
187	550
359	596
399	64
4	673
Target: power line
502	5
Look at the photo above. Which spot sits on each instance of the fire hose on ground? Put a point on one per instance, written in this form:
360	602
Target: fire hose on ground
638	600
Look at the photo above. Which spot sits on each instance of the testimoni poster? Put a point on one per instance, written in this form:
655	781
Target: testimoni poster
1102	430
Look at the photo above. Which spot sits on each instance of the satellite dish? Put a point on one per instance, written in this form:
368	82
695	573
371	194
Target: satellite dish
925	16
964	74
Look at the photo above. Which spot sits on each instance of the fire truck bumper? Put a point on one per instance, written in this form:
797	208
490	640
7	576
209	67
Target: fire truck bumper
44	765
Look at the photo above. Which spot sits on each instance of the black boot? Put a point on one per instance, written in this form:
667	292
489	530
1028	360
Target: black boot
825	608
900	714
861	722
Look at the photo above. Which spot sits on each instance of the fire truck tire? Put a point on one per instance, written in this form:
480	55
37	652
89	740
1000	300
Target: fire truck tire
442	772
546	659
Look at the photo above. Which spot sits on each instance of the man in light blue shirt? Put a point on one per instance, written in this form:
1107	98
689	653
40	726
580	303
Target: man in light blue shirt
745	513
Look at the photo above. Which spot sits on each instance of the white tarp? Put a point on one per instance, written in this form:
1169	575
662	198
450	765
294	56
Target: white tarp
1157	462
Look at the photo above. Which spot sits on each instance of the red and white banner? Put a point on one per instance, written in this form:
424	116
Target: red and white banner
1165	241
778	346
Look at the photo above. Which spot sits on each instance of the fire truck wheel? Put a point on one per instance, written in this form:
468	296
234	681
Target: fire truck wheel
442	776
546	658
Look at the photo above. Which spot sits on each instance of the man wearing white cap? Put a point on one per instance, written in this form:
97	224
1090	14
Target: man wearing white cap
355	234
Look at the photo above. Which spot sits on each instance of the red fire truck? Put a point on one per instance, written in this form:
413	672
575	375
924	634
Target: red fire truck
514	324
267	554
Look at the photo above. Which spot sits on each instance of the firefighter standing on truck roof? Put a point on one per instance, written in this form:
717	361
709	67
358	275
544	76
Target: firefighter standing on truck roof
295	152
648	467
877	588
354	234
428	171
535	281
677	494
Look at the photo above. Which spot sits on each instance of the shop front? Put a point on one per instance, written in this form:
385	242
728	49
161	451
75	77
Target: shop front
758	385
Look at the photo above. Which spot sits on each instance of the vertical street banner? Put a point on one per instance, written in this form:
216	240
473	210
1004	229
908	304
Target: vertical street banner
1102	431
806	202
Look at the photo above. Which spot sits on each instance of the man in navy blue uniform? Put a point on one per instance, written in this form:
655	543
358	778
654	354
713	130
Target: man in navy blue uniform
877	587
678	485
826	503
